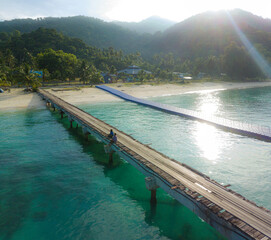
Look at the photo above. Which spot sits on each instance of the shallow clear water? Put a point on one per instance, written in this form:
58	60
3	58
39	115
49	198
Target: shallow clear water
251	105
54	185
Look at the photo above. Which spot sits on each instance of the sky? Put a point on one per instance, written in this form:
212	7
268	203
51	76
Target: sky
125	10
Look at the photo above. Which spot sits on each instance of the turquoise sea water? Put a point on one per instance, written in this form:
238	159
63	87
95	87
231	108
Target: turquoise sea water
54	185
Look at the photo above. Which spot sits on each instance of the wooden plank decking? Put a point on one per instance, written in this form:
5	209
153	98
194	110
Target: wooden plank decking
240	213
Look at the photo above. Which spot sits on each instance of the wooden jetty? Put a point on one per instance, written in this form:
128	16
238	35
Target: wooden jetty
227	211
251	130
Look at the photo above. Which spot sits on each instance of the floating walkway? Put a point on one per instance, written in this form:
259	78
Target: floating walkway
227	211
250	130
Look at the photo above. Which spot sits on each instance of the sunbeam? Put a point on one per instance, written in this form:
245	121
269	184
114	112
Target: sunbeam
256	56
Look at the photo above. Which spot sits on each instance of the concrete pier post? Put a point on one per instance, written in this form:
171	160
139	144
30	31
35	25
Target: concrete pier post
111	157
71	120
86	136
61	113
85	132
152	186
153	196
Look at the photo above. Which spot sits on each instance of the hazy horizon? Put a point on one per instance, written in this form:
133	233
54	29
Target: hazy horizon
124	10
148	17
34	18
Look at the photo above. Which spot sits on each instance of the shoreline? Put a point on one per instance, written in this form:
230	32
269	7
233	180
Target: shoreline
17	99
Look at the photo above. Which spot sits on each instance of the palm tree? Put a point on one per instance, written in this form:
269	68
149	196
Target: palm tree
141	75
113	70
29	79
84	72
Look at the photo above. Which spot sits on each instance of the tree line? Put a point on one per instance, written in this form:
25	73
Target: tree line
58	56
63	58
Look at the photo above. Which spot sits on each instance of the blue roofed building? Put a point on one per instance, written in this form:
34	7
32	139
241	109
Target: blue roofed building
132	70
38	73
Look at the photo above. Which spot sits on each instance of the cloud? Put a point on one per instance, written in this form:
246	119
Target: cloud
125	10
177	10
54	8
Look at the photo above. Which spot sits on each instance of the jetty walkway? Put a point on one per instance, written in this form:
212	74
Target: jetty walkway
251	130
227	211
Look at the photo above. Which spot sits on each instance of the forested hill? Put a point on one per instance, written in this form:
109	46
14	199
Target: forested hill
203	43
58	56
21	46
203	35
210	32
92	31
42	39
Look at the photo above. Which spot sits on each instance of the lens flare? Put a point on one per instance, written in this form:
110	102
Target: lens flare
256	56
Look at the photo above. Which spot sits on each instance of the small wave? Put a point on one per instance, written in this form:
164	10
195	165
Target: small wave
206	91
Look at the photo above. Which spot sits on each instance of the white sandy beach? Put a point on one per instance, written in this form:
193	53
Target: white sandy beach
19	99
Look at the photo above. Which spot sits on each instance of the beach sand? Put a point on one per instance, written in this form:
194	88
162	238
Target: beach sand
17	98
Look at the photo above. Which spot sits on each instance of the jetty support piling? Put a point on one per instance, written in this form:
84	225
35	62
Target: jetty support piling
153	196
86	133
86	136
151	185
111	157
61	113
71	121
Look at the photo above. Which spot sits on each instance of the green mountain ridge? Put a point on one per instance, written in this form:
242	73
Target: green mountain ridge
41	39
92	31
202	35
210	32
206	42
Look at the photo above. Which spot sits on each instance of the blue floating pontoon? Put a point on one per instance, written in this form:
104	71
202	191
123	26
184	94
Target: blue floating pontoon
251	130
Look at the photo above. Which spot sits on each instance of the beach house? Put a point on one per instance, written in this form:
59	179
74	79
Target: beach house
131	72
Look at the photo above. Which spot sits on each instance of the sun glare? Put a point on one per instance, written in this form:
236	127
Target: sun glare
209	104
208	141
207	136
171	9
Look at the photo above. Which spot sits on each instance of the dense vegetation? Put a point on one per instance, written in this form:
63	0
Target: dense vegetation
92	31
206	43
58	56
211	32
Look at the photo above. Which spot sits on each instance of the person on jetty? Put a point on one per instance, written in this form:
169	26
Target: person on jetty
114	139
107	147
111	134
